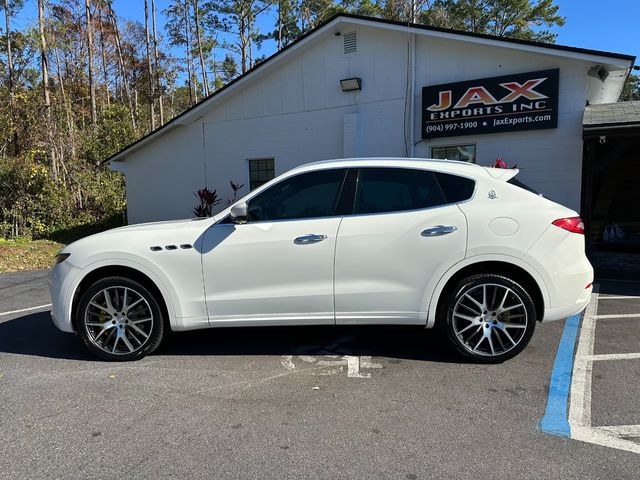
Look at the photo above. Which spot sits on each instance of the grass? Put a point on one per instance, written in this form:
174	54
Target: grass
23	254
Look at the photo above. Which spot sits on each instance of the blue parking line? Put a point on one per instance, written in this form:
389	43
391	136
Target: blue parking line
555	420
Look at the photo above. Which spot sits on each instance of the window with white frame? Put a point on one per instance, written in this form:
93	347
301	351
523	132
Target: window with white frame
261	170
464	153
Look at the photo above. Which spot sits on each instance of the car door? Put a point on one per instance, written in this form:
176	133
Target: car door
403	233
278	267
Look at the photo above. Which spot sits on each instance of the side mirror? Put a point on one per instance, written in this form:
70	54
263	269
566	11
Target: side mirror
239	213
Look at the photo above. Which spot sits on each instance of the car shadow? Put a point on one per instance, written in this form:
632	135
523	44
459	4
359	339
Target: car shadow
35	334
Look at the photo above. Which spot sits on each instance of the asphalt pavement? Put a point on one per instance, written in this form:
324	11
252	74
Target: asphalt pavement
308	402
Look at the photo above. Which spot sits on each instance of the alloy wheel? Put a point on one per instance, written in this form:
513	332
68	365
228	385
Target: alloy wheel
489	319
118	320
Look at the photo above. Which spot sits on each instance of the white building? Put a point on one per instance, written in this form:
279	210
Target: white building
292	109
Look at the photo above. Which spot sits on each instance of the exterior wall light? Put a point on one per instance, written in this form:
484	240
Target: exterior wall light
351	84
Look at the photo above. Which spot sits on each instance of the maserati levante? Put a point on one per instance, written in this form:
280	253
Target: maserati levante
445	244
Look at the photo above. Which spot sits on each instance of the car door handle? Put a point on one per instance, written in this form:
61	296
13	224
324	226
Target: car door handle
438	231
308	239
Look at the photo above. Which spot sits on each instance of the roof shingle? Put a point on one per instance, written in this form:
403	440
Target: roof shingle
612	113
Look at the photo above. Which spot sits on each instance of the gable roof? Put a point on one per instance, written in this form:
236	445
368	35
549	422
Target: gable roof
183	118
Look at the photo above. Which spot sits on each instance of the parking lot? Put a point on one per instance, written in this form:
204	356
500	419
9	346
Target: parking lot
314	402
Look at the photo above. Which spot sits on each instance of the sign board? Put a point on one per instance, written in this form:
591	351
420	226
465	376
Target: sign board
524	101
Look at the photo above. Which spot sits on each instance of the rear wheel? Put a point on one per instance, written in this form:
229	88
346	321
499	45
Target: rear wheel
488	318
119	319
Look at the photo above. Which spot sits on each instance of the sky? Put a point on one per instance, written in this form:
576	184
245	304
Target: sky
615	28
609	25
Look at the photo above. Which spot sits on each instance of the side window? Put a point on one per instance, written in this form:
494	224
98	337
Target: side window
396	189
308	195
455	188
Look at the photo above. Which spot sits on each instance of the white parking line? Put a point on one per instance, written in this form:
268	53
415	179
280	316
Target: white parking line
354	364
599	437
619	297
580	405
612	436
615	356
621	430
619	315
25	310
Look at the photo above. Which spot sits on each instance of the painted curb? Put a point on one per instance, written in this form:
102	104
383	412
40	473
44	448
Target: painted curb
555	420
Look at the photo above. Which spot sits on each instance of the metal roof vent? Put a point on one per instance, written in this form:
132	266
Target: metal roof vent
350	43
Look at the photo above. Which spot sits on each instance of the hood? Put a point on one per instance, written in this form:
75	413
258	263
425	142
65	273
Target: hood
129	237
164	225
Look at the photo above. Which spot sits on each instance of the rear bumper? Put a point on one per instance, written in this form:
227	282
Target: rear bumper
559	257
559	313
572	285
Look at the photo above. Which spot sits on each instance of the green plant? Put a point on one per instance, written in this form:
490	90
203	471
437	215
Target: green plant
208	199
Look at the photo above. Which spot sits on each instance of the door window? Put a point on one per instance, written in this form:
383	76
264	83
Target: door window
308	195
395	189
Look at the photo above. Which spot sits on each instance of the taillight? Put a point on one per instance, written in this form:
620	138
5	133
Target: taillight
571	224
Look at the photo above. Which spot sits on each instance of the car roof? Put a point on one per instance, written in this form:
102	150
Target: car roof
451	166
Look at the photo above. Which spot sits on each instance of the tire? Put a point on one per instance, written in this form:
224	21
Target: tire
125	323
488	318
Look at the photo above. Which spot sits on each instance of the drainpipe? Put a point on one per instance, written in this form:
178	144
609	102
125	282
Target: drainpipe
412	99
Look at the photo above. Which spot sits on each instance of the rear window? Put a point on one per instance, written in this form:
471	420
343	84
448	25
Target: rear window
456	189
518	183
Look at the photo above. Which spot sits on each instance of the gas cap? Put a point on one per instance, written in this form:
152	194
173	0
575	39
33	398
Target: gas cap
503	226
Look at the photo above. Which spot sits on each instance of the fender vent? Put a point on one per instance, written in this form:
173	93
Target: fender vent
156	249
350	44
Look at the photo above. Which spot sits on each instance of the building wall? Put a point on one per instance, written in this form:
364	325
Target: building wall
296	113
550	160
161	178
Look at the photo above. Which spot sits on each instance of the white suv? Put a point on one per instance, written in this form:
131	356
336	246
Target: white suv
341	242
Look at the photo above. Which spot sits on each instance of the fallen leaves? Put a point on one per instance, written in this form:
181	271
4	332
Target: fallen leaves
22	255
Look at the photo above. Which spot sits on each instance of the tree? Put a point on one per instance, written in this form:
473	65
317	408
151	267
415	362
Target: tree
402	10
205	80
179	30
631	90
45	89
152	113
238	17
187	35
229	68
156	57
287	30
121	64
504	18
10	8
92	86
103	51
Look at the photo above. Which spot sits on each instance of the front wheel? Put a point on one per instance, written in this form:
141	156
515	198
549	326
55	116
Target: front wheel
119	319
488	318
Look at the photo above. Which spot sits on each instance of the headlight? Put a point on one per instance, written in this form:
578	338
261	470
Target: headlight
61	257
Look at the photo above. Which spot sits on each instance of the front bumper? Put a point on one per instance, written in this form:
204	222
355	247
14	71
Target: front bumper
63	280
